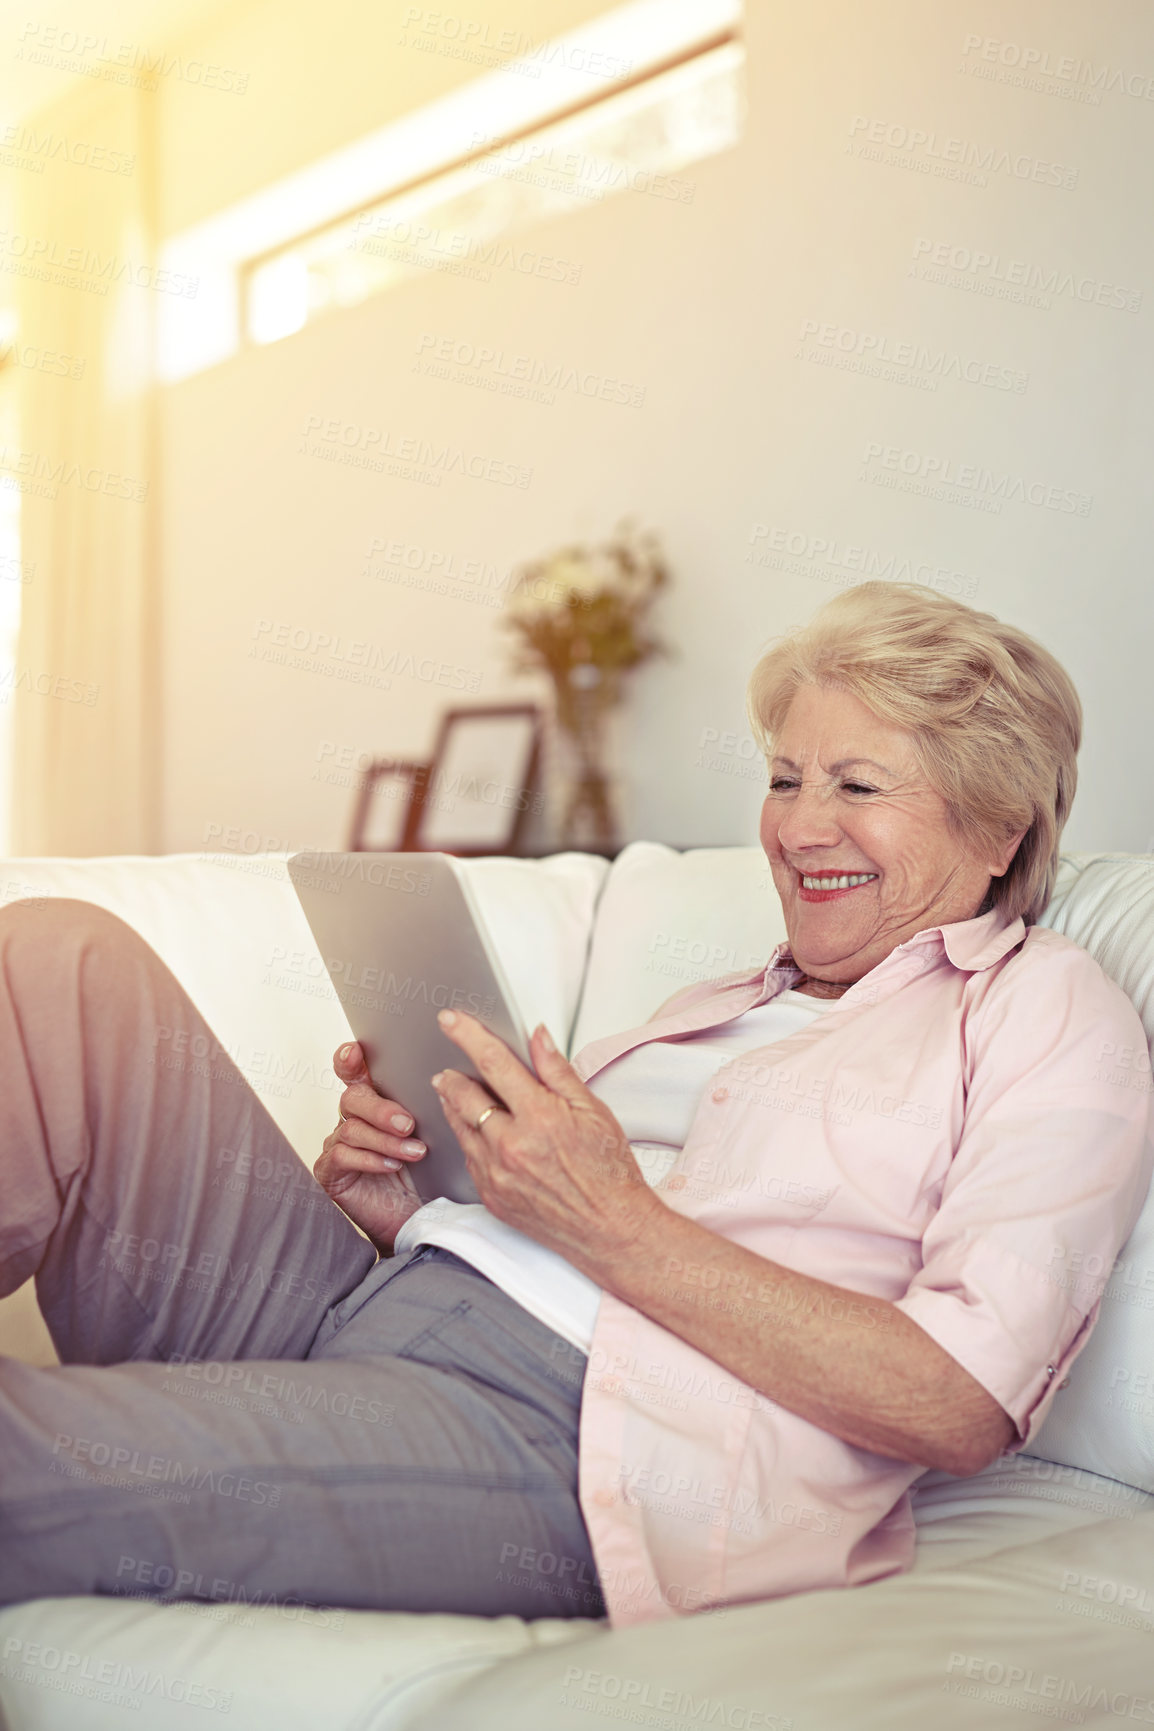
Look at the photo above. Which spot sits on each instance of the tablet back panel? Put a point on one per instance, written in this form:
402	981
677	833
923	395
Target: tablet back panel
401	938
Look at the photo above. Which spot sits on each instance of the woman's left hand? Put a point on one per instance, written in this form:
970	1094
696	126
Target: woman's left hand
556	1164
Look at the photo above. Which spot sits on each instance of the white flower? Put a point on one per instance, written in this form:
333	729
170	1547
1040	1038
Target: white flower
569	574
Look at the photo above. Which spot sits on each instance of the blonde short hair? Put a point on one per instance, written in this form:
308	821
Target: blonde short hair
994	719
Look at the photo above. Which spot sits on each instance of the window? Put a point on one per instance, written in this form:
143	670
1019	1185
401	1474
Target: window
438	190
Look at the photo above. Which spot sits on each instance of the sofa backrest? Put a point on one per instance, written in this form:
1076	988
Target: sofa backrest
231	929
1104	1421
667	919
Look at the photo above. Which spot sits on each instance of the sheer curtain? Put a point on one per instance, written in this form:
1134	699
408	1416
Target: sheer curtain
85	696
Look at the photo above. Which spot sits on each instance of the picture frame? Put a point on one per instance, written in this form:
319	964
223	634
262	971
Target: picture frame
473	797
381	809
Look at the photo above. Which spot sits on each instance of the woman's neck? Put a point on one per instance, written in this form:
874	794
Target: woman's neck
821	988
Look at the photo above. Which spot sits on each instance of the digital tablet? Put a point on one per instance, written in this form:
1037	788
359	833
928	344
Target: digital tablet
402	937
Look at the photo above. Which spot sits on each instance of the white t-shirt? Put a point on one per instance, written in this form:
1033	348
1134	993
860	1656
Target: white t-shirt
653	1092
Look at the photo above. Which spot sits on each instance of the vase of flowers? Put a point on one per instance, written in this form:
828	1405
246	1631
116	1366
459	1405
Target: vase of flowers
580	615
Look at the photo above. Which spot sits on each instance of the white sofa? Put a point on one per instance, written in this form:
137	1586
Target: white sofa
1033	1587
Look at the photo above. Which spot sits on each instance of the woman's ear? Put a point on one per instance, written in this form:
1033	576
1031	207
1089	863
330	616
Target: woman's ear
1004	860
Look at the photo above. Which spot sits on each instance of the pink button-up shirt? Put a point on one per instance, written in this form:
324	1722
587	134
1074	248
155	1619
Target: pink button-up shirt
950	1136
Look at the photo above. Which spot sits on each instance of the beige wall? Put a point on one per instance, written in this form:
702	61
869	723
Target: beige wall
751	441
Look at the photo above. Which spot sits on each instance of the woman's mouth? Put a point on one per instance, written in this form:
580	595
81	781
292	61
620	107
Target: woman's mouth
825	886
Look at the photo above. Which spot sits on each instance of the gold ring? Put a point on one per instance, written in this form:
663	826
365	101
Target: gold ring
485	1114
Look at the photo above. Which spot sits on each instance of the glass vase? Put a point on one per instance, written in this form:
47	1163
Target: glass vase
588	815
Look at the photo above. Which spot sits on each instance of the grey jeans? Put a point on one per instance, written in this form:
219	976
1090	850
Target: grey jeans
250	1406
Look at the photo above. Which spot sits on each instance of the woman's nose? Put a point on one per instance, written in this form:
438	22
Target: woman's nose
808	819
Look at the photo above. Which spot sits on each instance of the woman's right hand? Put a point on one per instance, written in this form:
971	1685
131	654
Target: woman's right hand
364	1160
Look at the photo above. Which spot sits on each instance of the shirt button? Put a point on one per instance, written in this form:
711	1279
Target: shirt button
720	1094
604	1499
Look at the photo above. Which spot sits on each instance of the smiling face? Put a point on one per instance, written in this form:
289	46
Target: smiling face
847	800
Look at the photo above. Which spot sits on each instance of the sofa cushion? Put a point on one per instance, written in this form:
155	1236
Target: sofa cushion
1059	1628
1104	1420
296	1666
97	1664
232	931
668	919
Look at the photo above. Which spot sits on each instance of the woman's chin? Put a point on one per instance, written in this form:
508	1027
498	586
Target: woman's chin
821	941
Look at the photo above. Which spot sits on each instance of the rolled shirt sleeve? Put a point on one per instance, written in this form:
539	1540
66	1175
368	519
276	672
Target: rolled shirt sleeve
1050	1172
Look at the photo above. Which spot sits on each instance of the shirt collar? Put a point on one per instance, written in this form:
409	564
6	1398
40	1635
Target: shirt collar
971	945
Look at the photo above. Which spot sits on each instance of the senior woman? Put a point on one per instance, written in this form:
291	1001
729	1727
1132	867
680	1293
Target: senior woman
737	1278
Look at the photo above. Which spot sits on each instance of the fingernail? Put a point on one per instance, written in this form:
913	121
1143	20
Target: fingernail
343	1051
446	1018
438	1079
546	1038
400	1122
412	1147
389	1164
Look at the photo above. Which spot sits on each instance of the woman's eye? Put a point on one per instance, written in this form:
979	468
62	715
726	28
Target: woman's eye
787	784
